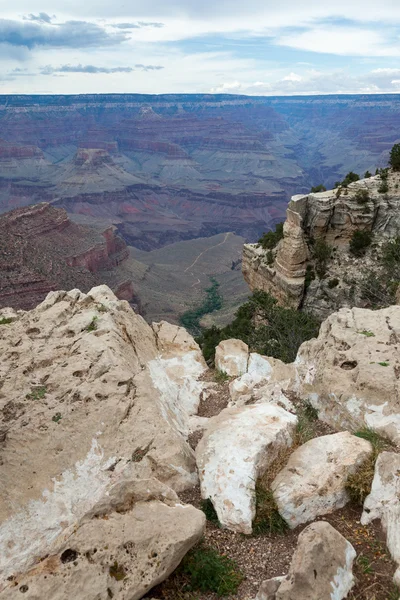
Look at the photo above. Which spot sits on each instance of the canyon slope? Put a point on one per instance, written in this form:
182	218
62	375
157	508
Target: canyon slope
169	168
41	250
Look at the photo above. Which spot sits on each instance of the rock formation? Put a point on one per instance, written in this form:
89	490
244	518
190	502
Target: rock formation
330	217
94	405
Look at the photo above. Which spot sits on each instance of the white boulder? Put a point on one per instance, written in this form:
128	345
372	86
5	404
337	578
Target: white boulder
313	483
384	503
231	357
237	447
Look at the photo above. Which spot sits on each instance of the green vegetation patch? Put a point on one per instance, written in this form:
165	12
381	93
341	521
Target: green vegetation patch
269	240
5	321
213	301
267	328
359	242
208	571
208	509
318	188
92	325
37	393
394	159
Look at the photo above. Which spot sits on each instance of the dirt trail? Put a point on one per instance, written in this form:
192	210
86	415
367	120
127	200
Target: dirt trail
207	250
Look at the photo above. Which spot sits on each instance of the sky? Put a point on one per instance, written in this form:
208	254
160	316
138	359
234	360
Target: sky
254	47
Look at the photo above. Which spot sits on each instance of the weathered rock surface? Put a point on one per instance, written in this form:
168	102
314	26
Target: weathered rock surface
237	447
350	372
384	503
231	357
266	380
321	567
88	433
313	482
331	216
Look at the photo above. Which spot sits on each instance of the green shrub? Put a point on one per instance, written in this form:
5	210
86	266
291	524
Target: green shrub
350	178
279	331
92	325
269	240
321	252
332	283
209	571
37	393
221	376
394	159
268	518
362	196
367	175
270	258
310	276
359	242
383	188
318	188
5	321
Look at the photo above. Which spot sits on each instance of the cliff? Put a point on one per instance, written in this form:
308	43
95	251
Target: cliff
42	250
313	266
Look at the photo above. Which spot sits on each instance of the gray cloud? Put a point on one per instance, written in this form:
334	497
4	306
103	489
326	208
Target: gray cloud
137	25
71	34
41	17
92	70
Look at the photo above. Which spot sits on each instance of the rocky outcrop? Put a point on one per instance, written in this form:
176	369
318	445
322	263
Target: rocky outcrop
383	503
93	405
237	447
331	217
313	482
321	568
231	357
350	373
41	250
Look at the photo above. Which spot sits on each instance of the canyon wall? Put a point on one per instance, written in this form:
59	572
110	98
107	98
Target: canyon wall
326	222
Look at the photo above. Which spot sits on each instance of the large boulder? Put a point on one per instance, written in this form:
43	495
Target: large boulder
350	373
321	568
313	483
237	447
231	357
383	503
83	422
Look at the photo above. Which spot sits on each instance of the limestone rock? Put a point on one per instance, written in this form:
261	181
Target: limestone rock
231	357
84	418
383	503
350	372
264	381
237	447
321	567
269	588
121	556
313	482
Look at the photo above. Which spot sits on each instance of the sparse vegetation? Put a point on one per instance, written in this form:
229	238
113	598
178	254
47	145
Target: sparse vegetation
367	175
268	519
220	376
270	258
92	325
269	240
359	483
5	321
310	276
117	571
102	309
57	417
359	242
213	301
279	331
367	333
37	393
383	188
208	571
362	196
321	253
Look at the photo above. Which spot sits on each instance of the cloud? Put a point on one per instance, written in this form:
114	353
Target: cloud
137	25
41	17
92	70
71	34
316	82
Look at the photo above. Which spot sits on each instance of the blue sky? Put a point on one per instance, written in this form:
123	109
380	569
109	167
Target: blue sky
256	47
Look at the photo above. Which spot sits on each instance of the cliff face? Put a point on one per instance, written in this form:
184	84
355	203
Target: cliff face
42	250
290	271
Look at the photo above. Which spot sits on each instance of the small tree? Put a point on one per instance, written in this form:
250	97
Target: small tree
350	178
394	160
359	242
367	175
318	188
